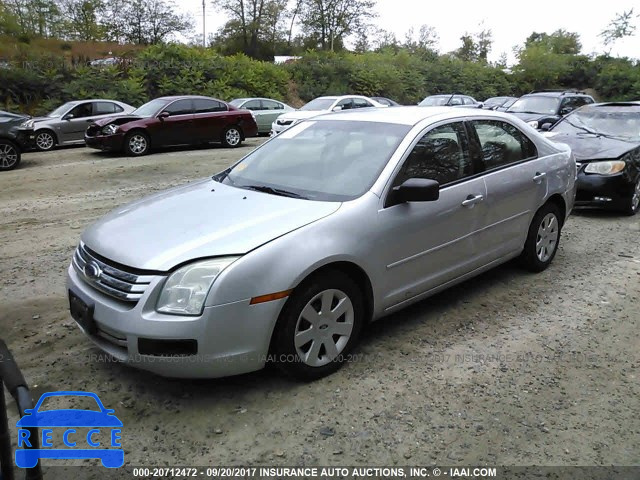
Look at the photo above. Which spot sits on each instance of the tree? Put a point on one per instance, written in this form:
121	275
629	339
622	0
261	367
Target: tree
426	43
476	47
328	22
621	26
82	19
560	42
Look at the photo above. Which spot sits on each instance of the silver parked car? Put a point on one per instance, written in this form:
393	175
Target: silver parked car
342	219
66	124
265	110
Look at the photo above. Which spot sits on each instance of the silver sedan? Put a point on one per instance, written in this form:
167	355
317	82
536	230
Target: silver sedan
287	255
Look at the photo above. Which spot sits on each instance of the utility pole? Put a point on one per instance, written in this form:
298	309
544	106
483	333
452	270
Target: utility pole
204	26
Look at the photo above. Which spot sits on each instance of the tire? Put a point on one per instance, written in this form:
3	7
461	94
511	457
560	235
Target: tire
634	201
232	137
45	140
323	352
543	238
10	155
136	143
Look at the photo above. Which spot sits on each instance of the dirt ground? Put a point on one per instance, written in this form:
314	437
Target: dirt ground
510	368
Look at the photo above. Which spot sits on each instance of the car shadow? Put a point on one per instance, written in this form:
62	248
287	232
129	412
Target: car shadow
587	212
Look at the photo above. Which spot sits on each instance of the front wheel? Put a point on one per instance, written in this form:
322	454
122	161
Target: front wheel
318	326
634	202
232	137
136	144
9	155
45	141
543	239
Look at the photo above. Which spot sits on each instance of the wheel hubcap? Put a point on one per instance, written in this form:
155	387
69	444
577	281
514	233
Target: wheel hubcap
324	328
233	137
635	199
547	239
138	144
8	156
44	141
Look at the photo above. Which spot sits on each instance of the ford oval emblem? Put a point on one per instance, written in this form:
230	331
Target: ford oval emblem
92	271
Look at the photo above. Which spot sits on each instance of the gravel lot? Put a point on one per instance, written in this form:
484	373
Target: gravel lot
510	368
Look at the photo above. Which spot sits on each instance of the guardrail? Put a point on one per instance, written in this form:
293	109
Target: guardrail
11	377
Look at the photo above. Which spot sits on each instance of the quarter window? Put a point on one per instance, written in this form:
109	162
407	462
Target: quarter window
502	143
439	155
205	105
179	107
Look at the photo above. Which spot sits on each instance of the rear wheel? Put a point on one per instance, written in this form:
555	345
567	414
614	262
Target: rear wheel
136	144
543	238
45	140
232	137
634	201
9	155
318	326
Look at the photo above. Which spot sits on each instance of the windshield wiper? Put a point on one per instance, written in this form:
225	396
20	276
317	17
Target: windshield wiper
273	191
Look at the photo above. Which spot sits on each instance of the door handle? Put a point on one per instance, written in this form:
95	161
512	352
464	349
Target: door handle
472	200
538	177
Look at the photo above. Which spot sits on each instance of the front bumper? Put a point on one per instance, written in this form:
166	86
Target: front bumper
231	339
604	191
26	138
277	128
106	143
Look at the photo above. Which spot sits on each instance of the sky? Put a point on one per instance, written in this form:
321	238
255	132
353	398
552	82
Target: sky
510	21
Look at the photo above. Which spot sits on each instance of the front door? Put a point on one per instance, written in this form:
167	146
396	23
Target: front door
177	128
75	122
429	244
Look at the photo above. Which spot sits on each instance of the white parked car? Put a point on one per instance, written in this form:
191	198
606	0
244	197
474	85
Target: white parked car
319	106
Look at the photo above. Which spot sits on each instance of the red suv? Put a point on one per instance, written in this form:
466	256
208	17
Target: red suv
166	121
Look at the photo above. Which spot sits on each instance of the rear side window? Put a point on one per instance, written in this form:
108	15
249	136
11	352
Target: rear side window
361	103
440	155
179	107
103	108
205	105
502	143
271	105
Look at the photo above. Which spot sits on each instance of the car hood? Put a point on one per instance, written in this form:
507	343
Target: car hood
591	147
302	114
118	120
203	219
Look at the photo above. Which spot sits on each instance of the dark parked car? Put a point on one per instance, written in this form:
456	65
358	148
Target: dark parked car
386	101
499	103
450	100
13	139
605	139
166	121
542	109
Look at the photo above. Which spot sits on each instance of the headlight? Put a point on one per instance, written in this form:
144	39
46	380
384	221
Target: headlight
533	123
605	168
27	124
186	289
110	129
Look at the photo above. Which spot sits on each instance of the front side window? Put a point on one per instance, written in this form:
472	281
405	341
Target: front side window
252	105
502	143
327	160
82	110
441	155
346	104
179	107
361	103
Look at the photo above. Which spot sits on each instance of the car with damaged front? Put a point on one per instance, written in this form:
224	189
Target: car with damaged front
171	121
605	139
287	255
14	139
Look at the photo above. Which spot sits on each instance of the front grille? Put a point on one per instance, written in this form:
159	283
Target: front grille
284	122
110	279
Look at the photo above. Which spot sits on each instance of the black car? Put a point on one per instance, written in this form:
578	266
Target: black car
13	139
542	109
386	101
498	103
605	139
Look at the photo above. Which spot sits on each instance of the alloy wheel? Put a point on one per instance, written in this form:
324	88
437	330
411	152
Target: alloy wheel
324	328
233	137
635	199
547	238
8	156
137	144
45	141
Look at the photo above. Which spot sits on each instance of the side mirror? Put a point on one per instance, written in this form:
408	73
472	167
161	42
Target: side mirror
163	115
417	190
337	109
480	105
545	127
69	116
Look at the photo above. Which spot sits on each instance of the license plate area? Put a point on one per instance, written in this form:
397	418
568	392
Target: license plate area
82	313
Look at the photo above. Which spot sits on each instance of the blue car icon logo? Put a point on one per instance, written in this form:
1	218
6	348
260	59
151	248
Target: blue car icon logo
77	445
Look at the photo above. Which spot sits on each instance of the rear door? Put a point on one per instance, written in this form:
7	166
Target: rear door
516	185
177	128
208	120
428	244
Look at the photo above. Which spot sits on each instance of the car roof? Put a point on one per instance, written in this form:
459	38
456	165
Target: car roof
612	107
185	97
558	93
408	115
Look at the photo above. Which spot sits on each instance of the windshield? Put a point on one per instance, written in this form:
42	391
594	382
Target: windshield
533	104
149	109
435	101
319	104
62	109
319	160
624	123
237	102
